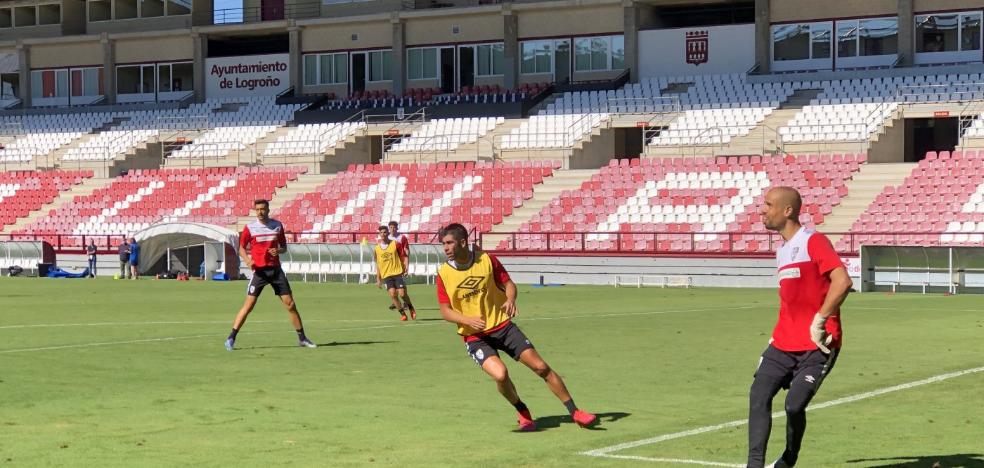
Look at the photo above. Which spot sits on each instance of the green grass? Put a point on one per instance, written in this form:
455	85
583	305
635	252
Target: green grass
118	373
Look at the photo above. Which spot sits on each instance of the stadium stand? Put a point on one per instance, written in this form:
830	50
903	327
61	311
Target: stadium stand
421	196
680	205
144	197
238	129
446	134
23	192
39	135
312	138
940	203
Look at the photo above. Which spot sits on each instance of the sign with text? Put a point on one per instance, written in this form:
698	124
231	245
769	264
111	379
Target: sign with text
694	51
939	114
247	75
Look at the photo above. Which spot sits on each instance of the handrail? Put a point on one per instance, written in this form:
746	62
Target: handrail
619	243
897	62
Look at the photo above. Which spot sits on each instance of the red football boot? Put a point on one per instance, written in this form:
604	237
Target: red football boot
526	423
584	418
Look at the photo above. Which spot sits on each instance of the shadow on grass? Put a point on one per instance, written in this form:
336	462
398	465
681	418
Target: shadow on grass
322	345
553	422
964	460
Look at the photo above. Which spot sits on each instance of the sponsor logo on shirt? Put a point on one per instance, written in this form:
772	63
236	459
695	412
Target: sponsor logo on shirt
789	273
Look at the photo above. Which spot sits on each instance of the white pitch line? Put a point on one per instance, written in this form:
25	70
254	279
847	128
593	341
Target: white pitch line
606	452
679	461
377	327
207	322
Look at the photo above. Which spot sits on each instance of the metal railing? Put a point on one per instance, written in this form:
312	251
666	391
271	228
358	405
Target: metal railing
593	243
262	13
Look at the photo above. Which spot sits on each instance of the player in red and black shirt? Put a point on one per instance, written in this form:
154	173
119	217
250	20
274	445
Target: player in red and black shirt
260	246
806	340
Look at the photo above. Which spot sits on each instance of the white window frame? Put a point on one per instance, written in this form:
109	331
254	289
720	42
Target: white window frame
608	53
945	56
491	64
424	76
537	45
318	79
369	54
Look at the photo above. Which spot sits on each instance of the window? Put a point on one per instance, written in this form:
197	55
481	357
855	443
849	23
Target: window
970	31
182	76
151	8
9	83
310	70
875	36
25	16
489	59
847	39
100	10
599	53
422	63
65	82
125	9
878	36
49	14
325	69
618	52
129	80
937	33
820	40
537	57
178	7
801	41
6	17
381	65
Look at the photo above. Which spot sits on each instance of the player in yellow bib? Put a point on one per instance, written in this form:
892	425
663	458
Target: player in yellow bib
390	271
476	293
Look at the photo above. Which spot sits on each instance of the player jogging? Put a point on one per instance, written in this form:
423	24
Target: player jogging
260	246
806	340
476	293
402	245
389	271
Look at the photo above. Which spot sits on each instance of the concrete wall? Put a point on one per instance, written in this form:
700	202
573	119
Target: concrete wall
809	10
569	21
66	55
158	49
471	28
938	5
321	38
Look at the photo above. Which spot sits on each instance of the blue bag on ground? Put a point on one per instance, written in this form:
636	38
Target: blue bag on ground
55	272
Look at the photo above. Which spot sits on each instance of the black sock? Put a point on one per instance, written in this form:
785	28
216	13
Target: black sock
407	304
571	407
300	334
520	406
232	336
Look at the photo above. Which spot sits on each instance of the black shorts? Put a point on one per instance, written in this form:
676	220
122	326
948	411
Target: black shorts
812	366
274	276
509	339
394	282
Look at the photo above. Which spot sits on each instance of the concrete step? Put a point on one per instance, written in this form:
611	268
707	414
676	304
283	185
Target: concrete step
862	189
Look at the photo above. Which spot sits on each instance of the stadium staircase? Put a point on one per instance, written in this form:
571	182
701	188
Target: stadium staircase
550	189
862	189
764	139
83	189
282	195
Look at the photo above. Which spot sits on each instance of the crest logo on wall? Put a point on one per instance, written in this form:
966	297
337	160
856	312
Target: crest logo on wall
696	47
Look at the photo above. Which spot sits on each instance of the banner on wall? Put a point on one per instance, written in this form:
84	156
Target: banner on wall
247	75
697	51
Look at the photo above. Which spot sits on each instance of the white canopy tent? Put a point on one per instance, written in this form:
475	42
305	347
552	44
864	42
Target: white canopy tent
220	245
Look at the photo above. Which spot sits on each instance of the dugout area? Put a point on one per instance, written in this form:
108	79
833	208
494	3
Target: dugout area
185	247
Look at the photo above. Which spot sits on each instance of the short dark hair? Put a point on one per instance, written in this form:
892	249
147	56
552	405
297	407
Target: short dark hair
261	201
394	223
382	228
455	230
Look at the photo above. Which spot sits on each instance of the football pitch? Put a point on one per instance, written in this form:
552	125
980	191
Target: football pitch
122	373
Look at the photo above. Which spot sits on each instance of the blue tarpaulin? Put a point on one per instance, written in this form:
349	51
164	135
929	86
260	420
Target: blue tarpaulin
55	272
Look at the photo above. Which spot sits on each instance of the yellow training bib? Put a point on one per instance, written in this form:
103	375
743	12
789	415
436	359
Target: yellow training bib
388	261
473	292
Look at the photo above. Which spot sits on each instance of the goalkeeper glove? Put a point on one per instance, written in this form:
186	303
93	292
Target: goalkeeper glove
818	333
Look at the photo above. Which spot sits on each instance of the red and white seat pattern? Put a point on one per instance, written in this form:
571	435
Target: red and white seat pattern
684	204
24	192
421	197
940	203
145	197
